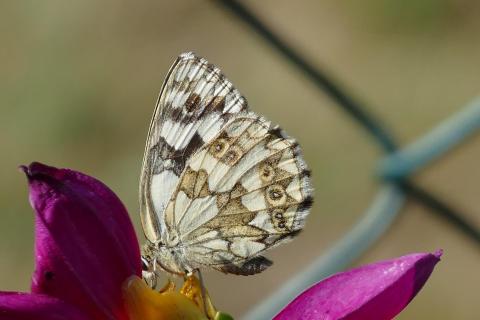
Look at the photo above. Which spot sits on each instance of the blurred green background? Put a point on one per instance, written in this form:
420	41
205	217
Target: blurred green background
79	80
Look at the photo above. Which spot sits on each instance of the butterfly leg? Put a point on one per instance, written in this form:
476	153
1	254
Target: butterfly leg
148	273
154	277
151	277
203	290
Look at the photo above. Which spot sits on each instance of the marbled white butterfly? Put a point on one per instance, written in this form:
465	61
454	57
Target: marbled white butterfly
219	184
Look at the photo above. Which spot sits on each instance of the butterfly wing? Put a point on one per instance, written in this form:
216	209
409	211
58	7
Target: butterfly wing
195	102
219	183
245	191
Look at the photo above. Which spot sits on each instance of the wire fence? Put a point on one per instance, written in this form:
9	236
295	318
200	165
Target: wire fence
394	170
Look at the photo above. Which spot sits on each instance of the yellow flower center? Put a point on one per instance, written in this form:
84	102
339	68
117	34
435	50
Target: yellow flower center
143	303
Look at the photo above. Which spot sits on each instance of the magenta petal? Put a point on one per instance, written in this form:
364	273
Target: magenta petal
85	244
375	291
25	306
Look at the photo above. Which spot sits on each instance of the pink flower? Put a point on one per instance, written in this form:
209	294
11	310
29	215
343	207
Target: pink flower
85	248
88	262
375	291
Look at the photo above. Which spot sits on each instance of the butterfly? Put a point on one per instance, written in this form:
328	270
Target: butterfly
219	184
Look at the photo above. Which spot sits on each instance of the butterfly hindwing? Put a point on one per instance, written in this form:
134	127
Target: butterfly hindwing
242	193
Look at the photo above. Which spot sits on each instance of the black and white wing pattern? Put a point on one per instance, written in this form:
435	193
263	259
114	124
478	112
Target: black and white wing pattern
194	103
220	184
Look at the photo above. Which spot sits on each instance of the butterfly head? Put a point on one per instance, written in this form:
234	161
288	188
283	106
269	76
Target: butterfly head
157	257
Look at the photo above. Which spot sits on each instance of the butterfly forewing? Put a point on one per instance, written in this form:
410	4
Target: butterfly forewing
219	183
194	103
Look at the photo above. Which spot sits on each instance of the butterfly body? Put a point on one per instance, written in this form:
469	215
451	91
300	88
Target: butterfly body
219	184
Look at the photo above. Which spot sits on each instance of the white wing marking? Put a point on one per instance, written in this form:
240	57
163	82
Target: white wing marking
246	248
191	219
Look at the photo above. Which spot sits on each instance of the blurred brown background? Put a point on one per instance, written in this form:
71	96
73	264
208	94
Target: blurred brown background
79	81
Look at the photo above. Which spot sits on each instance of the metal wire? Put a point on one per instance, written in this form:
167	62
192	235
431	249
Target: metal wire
432	145
320	79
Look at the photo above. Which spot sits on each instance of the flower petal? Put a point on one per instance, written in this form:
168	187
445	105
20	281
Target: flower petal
85	245
25	306
375	291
